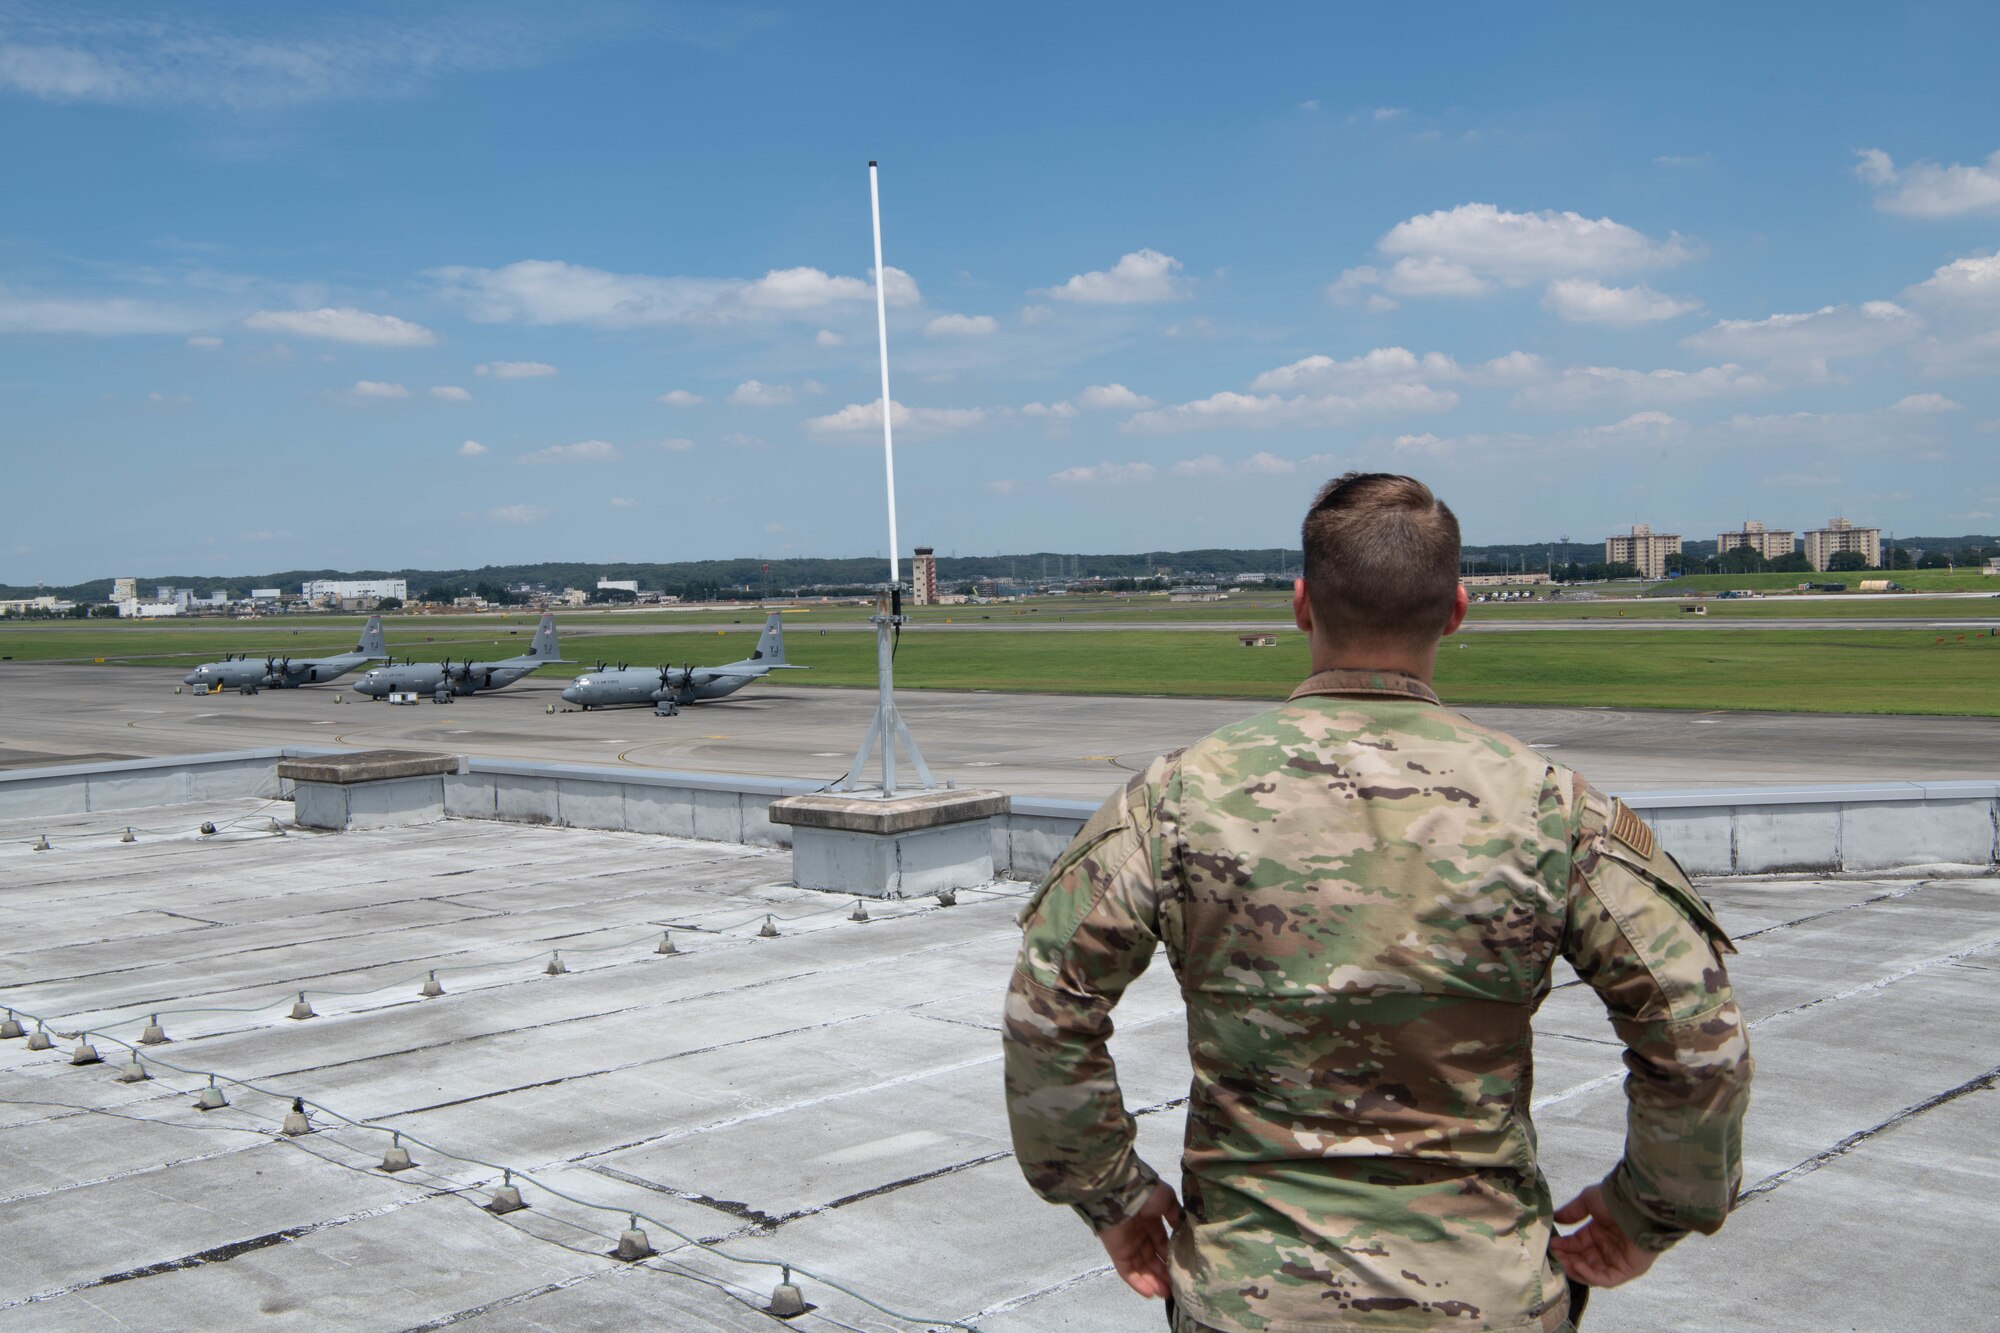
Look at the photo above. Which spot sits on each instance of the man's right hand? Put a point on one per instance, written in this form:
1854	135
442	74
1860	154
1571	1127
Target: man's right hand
1138	1245
1599	1253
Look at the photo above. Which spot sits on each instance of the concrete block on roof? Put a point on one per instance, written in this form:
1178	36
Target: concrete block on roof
1703	841
389	804
368	766
1889	834
1778	839
894	847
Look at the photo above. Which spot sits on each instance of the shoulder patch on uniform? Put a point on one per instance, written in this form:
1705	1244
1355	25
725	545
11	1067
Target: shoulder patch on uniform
1631	830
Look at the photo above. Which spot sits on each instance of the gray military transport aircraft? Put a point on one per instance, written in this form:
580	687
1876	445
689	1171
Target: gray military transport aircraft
442	680
667	687
277	671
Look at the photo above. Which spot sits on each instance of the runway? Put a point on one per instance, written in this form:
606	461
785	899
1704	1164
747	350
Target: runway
1054	745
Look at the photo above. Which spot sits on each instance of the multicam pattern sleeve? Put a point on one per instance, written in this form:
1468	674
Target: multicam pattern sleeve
1091	929
1642	937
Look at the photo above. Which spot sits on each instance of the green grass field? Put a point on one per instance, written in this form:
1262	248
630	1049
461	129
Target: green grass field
1921	580
1860	671
1865	671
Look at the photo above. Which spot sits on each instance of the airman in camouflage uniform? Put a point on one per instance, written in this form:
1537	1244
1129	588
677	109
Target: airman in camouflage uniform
1362	895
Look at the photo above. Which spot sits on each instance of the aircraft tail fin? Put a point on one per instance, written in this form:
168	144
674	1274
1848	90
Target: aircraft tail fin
544	646
371	639
771	643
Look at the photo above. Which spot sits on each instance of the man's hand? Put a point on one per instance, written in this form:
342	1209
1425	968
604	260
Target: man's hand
1598	1254
1138	1245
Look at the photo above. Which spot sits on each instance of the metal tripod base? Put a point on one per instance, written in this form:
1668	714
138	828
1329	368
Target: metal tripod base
888	728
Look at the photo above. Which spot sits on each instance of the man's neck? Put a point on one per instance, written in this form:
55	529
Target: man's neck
1373	657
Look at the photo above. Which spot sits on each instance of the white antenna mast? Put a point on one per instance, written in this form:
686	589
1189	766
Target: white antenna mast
882	341
888	727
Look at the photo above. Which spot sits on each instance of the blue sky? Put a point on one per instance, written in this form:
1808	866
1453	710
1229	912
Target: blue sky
446	285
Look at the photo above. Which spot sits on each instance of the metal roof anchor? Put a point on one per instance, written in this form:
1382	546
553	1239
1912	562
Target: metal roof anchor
556	965
134	1072
767	931
39	1040
295	1120
300	1009
431	988
859	913
154	1035
11	1027
211	1098
666	944
85	1053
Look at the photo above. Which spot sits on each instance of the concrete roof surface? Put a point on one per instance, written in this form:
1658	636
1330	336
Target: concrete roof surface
828	1098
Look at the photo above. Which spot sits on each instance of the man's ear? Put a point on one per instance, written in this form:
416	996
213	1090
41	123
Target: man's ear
1460	604
1302	607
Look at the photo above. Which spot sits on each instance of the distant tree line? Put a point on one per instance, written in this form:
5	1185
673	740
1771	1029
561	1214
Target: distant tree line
708	580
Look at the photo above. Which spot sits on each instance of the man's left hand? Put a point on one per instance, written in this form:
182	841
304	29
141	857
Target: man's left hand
1138	1245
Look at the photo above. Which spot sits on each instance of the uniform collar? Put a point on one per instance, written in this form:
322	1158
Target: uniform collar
1392	684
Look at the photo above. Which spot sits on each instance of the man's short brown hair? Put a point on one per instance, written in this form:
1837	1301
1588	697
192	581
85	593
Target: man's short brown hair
1381	559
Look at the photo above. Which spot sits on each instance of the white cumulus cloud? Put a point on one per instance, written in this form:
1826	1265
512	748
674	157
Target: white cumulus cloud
1057	411
93	316
517	513
828	338
1970	285
516	370
962	326
921	420
1930	190
674	445
472	449
756	393
621	502
1519	248
1810	338
551	291
1586	386
1925	403
376	391
1273	409
1112	397
204	340
583	451
343	324
1474	248
1207	465
1103	474
1141	276
681	398
450	393
1588	301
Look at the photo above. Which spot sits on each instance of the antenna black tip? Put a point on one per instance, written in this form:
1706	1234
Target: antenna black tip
871	161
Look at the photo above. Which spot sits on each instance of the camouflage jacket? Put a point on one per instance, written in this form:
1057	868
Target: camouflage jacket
1363	895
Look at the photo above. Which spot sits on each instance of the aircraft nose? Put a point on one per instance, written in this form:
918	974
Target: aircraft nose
570	695
191	677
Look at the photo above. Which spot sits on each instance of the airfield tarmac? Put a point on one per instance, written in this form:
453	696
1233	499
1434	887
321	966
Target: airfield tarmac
1051	745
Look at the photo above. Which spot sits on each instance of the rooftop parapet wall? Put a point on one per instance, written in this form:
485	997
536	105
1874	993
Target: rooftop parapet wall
1832	829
